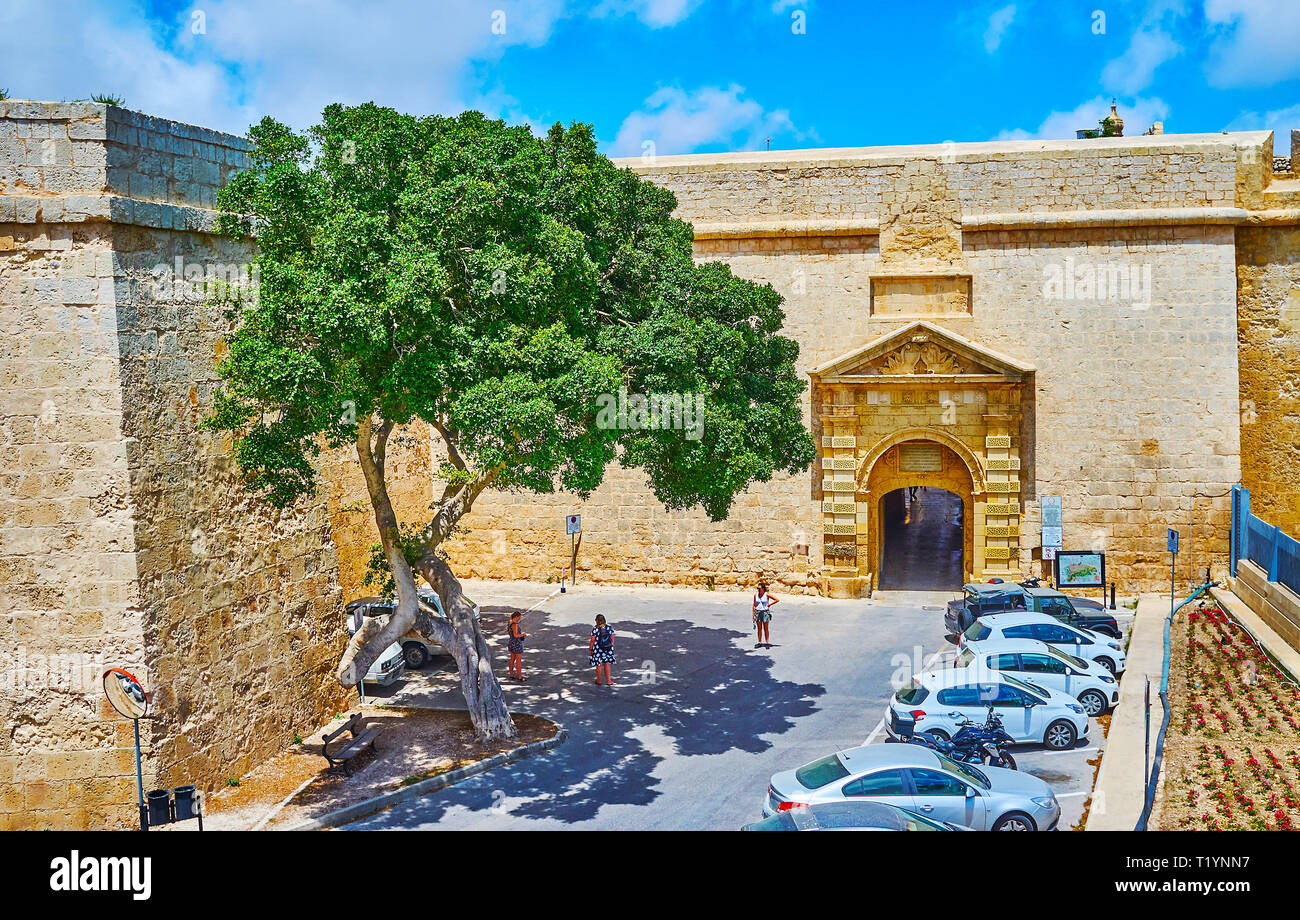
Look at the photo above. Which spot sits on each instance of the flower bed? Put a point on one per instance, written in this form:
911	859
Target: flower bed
1232	752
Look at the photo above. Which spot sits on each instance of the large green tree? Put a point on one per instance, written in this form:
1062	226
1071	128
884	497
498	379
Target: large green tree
498	286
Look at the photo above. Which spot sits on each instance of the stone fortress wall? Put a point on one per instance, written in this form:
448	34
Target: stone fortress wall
1134	410
125	537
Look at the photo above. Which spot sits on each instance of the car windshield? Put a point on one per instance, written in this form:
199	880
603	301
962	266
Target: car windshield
964	770
977	631
820	772
1026	685
1068	659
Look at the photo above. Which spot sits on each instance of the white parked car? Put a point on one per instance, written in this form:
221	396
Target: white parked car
390	666
939	701
1079	642
1038	663
920	780
417	649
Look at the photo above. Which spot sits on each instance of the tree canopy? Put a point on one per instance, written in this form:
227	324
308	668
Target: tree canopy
500	287
493	284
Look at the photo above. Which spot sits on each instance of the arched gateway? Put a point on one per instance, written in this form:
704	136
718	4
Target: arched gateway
920	406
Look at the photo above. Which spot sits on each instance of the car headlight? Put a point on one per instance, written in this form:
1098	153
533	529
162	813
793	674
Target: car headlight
1074	707
1115	645
1106	678
1044	801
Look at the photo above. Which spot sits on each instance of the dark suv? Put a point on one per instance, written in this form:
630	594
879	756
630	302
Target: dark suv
978	599
1073	611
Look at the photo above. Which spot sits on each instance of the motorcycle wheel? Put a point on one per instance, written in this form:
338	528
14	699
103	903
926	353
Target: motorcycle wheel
1005	760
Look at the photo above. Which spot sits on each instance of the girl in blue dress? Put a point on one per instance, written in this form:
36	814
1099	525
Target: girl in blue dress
601	649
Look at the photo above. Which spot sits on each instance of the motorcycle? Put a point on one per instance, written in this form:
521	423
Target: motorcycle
974	742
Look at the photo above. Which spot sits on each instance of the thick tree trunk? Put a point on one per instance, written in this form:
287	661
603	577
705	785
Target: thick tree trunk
377	634
487	707
460	633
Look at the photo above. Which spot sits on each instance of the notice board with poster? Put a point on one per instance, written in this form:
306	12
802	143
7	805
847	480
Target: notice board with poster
1080	569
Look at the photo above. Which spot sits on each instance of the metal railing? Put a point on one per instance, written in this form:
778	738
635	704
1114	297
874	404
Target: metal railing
1277	553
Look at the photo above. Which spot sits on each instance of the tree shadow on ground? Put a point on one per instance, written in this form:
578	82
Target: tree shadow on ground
690	683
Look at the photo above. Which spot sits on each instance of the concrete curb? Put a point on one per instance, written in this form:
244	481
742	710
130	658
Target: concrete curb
432	784
1117	798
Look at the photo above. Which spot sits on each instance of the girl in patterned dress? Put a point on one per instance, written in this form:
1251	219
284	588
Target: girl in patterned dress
516	646
601	648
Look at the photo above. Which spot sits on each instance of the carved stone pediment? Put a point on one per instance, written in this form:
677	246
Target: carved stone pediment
920	350
920	356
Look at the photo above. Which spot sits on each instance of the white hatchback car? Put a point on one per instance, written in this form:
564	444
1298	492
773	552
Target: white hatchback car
1038	663
939	702
1079	642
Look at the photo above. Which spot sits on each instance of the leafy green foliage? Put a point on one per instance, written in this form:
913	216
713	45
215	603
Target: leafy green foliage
493	283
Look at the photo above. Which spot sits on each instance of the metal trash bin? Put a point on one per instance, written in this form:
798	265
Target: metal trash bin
159	801
185	802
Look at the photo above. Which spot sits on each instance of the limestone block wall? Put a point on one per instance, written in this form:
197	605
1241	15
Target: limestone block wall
125	538
1134	409
1268	326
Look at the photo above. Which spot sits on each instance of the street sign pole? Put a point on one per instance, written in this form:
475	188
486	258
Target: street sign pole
1173	563
1146	753
139	780
573	527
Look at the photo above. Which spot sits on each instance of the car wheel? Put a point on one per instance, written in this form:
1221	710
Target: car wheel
1015	821
1060	735
1093	702
416	655
1107	664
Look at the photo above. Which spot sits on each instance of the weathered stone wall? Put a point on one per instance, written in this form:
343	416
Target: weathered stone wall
1135	400
126	537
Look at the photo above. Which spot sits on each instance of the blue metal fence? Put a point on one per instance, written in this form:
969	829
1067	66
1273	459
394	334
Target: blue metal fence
1263	544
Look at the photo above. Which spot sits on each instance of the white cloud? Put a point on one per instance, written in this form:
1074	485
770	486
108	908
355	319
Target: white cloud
1255	43
1134	70
287	59
1138	116
1280	121
654	13
999	22
679	122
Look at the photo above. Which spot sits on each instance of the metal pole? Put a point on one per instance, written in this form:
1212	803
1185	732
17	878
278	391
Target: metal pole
139	779
573	565
1146	751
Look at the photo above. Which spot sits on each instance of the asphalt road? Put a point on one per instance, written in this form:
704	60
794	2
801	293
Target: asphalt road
698	720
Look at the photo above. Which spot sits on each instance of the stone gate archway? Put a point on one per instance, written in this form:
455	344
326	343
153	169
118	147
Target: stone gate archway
918	406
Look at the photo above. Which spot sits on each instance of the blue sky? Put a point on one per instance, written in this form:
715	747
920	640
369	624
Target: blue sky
685	75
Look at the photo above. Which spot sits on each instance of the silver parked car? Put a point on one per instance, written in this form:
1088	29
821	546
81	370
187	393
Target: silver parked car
920	780
862	815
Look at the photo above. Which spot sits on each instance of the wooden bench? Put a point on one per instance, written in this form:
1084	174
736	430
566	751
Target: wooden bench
365	738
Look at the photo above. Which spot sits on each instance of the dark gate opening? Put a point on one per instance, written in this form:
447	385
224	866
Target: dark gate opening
921	541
